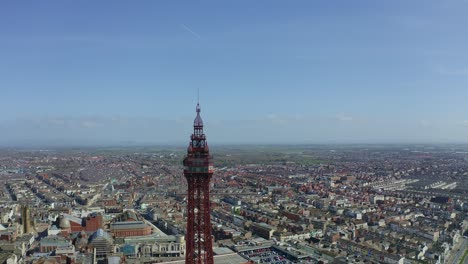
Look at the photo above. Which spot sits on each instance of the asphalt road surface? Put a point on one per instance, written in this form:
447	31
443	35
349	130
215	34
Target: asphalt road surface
459	252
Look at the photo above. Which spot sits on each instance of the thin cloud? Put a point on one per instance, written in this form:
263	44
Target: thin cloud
344	118
463	123
425	123
195	34
412	22
91	124
459	71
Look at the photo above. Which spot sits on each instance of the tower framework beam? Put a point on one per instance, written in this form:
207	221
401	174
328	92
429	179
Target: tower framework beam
198	170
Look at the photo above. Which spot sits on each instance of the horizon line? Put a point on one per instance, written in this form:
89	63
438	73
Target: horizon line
217	144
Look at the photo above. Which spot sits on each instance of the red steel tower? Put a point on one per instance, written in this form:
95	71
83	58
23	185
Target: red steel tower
198	169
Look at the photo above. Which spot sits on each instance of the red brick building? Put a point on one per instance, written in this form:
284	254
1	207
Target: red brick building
73	224
130	228
93	222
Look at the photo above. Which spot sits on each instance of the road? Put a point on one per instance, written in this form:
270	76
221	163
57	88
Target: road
458	252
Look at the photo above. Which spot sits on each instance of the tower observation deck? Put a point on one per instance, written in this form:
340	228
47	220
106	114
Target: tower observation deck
198	170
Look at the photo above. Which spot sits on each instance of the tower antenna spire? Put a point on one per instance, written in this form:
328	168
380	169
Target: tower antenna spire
198	95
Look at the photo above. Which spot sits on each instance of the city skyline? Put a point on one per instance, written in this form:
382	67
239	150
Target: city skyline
85	73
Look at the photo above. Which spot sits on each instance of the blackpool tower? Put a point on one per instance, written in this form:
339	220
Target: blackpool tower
198	169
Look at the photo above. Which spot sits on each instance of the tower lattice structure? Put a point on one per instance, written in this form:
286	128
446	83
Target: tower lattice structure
198	170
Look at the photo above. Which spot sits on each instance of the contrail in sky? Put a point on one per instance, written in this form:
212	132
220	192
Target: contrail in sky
190	31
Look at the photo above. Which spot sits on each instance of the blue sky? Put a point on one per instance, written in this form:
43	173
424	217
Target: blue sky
117	72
